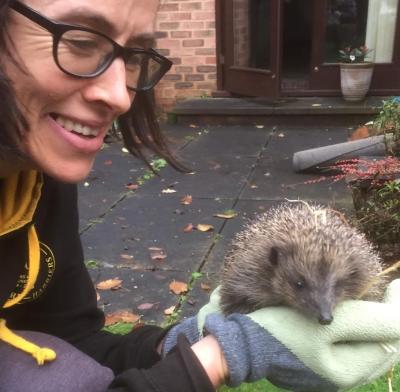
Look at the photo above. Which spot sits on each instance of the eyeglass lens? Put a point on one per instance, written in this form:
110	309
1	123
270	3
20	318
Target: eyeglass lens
83	53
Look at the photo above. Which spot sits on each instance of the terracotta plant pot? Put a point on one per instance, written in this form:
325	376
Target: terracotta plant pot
355	80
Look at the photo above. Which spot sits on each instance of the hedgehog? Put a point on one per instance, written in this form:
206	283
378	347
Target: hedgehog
301	255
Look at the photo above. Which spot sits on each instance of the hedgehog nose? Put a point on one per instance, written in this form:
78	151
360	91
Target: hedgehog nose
325	319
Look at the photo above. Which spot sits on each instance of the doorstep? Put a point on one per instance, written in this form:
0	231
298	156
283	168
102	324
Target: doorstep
308	111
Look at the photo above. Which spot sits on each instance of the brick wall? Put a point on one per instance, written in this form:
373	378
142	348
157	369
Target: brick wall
186	35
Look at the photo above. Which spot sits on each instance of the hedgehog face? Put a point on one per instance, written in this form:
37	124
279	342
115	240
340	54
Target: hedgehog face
308	286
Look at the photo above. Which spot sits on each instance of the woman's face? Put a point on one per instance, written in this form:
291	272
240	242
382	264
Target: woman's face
55	103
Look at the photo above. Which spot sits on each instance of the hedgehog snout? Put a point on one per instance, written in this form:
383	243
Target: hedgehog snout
325	318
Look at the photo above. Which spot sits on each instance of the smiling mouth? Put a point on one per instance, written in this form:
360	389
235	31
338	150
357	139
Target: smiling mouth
75	127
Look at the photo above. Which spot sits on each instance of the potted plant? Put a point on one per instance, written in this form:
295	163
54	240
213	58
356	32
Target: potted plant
355	72
375	186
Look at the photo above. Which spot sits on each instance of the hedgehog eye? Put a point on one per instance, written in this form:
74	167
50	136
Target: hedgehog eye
274	256
299	285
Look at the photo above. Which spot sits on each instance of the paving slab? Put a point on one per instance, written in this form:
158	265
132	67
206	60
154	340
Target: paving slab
140	222
274	178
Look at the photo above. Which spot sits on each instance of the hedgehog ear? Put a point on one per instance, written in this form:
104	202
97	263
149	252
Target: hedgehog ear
274	256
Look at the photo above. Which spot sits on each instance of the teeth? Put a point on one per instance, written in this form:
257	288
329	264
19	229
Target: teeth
76	127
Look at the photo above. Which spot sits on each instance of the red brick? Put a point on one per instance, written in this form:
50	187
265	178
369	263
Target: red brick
194	77
168	26
180	16
172	77
204	33
205	51
181	34
206	68
190	6
183	85
192	25
192	42
165	7
211	60
183	69
206	15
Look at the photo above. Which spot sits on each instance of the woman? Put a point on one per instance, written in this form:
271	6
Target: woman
68	71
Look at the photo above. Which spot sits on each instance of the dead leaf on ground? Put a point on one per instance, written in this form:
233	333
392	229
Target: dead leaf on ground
121	316
228	214
187	199
126	257
259	126
178	287
281	134
168	190
169	310
131	187
188	228
108	162
205	286
157	253
146	306
110	284
202	227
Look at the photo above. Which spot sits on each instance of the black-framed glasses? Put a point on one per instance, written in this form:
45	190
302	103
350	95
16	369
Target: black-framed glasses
85	53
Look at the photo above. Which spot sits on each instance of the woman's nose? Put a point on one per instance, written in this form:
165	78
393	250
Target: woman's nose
110	88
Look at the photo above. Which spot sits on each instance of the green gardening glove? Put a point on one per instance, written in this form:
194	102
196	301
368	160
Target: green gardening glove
297	353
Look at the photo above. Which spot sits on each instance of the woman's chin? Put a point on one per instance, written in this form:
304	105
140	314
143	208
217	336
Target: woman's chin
70	174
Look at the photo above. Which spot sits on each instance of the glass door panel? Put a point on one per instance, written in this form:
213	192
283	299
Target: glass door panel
250	39
355	23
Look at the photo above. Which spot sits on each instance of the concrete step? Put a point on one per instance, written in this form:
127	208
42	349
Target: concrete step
308	111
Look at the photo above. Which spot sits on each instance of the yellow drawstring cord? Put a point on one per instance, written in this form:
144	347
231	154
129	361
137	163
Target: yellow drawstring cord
40	354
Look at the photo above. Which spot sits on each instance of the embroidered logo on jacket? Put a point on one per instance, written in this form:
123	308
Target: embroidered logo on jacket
47	267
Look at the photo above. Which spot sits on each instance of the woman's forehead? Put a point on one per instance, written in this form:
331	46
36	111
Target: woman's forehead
117	18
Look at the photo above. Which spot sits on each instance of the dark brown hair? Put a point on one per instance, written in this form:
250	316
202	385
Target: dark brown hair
140	130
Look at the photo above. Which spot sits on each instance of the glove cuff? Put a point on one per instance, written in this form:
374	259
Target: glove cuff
244	344
188	328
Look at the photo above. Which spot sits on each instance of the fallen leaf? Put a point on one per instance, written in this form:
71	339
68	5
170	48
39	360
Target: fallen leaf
188	228
86	184
202	227
360	133
131	187
259	126
124	149
121	316
316	104
281	134
193	126
110	284
168	190
228	214
126	257
205	286
108	162
169	310
187	200
157	253
145	306
178	287
97	296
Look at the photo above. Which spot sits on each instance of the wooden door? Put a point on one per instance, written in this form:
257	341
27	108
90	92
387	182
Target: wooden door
250	52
